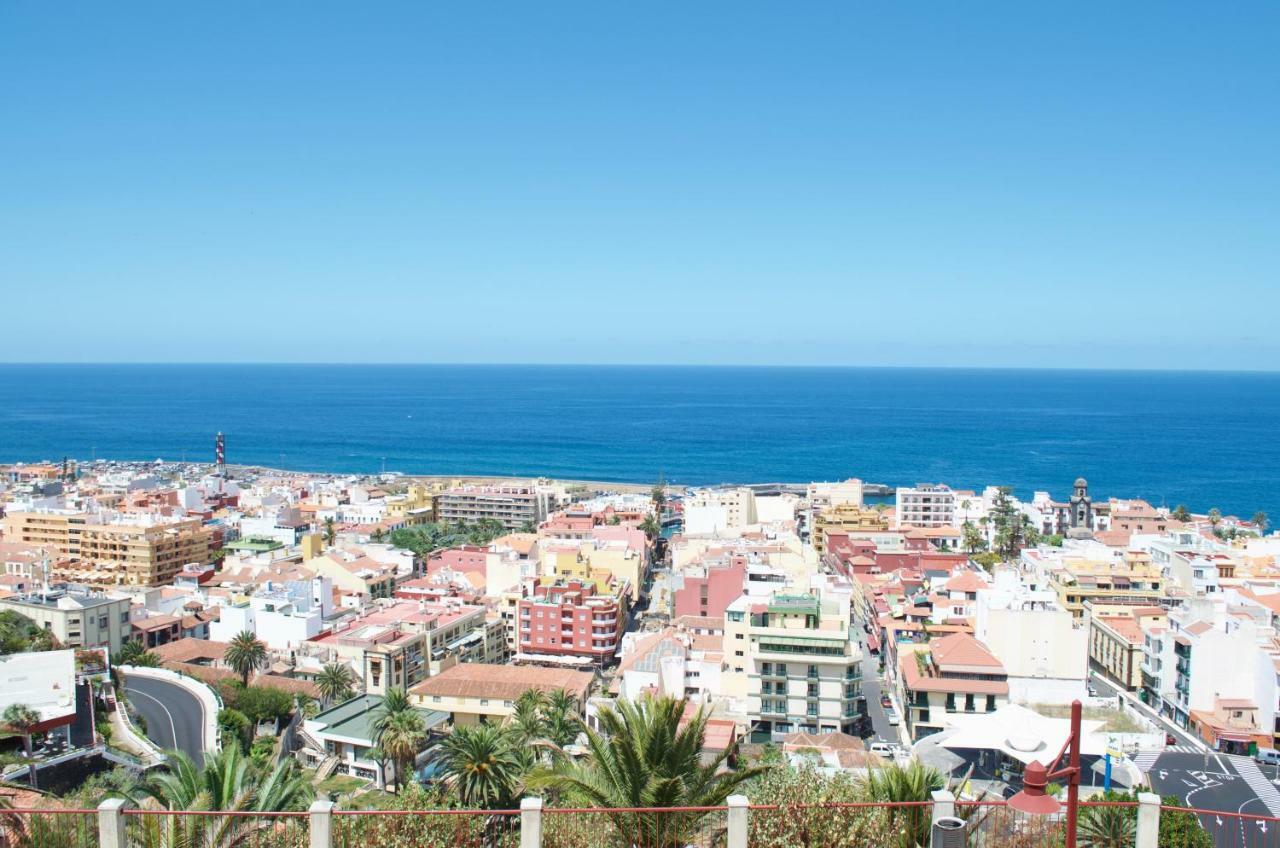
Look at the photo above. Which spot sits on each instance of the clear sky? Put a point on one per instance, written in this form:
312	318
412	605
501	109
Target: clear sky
1035	184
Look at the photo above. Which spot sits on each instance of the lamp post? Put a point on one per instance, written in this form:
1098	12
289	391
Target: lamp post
1034	798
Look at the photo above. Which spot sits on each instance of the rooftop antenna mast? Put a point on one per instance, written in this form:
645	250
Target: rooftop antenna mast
220	452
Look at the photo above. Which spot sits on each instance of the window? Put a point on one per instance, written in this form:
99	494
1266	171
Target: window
737	653
813	671
968	702
766	668
484	702
507	704
435	699
735	616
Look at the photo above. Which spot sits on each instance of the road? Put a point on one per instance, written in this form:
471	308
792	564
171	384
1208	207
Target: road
883	731
175	717
1106	688
1227	784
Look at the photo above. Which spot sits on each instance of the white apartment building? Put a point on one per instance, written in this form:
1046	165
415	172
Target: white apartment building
926	505
710	512
281	615
790	664
1044	651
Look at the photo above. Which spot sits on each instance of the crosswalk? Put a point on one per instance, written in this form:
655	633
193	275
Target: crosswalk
1266	791
1144	760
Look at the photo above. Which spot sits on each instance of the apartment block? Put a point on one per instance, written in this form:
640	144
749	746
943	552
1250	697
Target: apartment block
569	619
791	662
76	615
926	505
515	507
114	549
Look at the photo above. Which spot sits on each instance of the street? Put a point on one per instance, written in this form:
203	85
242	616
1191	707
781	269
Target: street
1227	784
175	717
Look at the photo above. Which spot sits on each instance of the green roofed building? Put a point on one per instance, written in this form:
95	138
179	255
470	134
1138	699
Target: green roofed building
344	732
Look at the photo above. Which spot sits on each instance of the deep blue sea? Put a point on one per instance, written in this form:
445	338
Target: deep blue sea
1204	439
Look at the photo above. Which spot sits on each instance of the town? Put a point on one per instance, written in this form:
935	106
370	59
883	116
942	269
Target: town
368	639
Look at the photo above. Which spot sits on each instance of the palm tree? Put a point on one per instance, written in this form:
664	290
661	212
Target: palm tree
394	703
20	719
245	655
1107	827
527	725
336	682
642	756
1180	513
1260	522
482	764
330	532
227	783
400	739
560	717
1215	517
898	784
652	527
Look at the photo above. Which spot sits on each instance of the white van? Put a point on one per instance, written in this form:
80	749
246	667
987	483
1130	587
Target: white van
1268	756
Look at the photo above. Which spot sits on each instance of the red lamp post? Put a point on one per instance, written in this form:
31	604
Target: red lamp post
1035	800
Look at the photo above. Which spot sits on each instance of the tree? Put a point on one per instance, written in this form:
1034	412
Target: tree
20	719
135	653
903	784
652	527
233	727
330	532
560	716
1260	522
394	703
1107	827
643	757
482	764
245	655
529	526
1215	517
378	535
227	783
401	738
973	541
1180	513
336	682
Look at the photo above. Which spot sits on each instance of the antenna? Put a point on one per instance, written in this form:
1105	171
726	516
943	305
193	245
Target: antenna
220	451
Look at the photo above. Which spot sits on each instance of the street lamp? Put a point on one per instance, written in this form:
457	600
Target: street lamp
1035	800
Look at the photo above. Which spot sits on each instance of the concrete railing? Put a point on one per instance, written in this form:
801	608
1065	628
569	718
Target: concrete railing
210	703
324	823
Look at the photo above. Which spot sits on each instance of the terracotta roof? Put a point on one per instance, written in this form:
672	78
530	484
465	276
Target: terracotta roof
1198	627
187	650
962	649
505	682
918	682
828	741
968	581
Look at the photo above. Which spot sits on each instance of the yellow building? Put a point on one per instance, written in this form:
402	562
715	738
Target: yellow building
846	518
473	693
1132	581
416	506
1115	640
590	559
141	551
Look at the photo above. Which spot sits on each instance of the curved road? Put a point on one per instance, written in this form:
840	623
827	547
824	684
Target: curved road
175	717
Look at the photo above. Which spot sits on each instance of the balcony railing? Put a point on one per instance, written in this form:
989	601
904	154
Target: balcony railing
737	824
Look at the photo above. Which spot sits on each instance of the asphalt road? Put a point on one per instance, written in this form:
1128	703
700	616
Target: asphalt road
1229	785
175	717
884	732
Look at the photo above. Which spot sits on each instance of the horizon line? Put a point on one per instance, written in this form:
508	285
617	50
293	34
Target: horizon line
682	365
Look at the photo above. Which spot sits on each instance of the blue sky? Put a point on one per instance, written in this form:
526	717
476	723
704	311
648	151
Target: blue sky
909	183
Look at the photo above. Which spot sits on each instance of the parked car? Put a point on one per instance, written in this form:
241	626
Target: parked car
1093	691
1170	739
882	749
1268	756
894	721
885	701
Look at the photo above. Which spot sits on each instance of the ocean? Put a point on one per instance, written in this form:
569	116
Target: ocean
1203	439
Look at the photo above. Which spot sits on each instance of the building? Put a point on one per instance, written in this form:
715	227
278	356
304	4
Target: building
515	507
792	665
346	733
1042	646
45	681
472	693
926	505
1088	571
77	616
845	518
1116	638
572	619
112	548
954	674
282	615
711	512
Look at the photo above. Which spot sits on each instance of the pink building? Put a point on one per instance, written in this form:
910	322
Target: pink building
462	558
569	618
710	595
